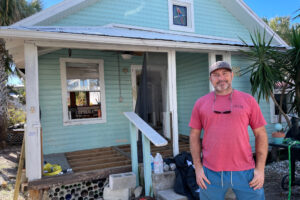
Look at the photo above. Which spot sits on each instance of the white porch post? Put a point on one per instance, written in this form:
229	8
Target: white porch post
173	98
32	131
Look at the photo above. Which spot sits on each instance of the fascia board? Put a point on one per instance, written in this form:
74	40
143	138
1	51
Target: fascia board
55	12
247	17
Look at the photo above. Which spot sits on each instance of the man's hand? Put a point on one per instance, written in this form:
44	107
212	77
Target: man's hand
200	177
258	180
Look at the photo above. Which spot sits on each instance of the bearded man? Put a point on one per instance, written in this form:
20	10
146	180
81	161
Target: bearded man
227	159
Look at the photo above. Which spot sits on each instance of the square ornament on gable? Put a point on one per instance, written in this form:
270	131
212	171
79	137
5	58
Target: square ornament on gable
181	15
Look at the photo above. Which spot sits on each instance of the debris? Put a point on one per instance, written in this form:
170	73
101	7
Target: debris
138	191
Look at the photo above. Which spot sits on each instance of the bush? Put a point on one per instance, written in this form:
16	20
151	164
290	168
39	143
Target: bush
16	116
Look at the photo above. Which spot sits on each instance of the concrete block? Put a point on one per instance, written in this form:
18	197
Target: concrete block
163	181
169	194
122	194
122	181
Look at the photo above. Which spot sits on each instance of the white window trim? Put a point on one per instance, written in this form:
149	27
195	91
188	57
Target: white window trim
66	120
275	118
190	15
212	60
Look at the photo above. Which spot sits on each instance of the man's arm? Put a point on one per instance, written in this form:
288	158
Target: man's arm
261	148
195	148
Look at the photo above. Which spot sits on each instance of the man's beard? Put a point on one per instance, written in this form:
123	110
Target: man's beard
222	86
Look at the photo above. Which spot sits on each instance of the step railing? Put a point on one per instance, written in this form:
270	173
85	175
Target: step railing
148	135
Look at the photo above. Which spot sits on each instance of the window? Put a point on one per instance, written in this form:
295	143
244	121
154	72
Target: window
83	92
181	15
286	103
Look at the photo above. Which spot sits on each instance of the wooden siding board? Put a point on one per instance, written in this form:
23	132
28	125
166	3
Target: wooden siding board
210	17
58	138
192	83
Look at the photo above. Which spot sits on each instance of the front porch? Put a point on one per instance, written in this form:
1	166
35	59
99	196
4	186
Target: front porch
99	163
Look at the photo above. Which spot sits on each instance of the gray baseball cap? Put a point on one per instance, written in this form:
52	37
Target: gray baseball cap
219	65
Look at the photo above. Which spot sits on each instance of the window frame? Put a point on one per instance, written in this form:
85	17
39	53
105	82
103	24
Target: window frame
63	73
189	4
274	117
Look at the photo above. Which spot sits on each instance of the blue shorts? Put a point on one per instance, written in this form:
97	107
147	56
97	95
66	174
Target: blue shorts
237	180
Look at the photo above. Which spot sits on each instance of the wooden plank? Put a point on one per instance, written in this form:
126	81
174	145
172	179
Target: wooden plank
84	152
32	130
64	179
126	154
111	153
96	161
100	166
83	159
35	194
19	174
147	130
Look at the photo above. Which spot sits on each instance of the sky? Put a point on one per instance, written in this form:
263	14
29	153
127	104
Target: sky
263	8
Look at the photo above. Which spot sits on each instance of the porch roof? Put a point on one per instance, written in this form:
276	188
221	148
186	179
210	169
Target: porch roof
128	33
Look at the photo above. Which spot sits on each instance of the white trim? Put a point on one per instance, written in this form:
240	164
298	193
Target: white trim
247	17
212	59
190	15
33	151
55	12
173	99
66	120
275	118
134	69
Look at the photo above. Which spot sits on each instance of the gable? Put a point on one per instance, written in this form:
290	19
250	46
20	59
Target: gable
217	18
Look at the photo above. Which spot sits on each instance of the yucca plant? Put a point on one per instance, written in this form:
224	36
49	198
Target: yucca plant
294	68
266	68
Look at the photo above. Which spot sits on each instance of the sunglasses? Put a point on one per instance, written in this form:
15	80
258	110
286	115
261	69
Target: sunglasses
226	111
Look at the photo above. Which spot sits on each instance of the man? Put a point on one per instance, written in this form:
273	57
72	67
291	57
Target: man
227	160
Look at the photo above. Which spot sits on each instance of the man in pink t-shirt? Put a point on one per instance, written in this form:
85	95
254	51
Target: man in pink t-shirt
227	161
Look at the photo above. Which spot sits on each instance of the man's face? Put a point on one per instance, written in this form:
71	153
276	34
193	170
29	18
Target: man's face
221	79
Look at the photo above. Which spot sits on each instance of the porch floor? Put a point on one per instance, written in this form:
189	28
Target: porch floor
99	163
116	156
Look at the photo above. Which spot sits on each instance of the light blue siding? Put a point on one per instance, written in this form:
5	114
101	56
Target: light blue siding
242	83
192	83
210	17
59	138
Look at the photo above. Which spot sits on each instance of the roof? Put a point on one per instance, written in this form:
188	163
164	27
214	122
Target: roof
126	33
237	8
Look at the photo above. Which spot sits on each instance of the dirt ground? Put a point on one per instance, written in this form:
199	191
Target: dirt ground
8	171
273	175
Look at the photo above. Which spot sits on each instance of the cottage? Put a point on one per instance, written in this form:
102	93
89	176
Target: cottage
83	62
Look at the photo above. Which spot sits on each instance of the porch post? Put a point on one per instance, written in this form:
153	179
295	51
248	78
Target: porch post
134	153
173	98
147	165
32	130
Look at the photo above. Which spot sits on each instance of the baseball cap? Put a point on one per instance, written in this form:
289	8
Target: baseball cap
219	65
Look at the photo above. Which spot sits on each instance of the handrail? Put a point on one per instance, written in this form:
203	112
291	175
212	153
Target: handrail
147	130
148	134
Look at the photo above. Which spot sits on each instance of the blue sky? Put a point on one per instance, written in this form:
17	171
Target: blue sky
263	8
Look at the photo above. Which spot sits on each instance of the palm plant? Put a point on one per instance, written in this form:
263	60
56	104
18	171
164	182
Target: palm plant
11	11
266	68
294	68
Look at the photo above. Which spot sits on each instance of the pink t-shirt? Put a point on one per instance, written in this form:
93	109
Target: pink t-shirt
225	144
